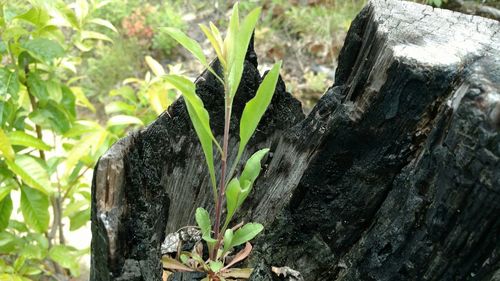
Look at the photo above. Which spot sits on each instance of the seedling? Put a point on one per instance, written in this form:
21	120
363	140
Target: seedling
232	191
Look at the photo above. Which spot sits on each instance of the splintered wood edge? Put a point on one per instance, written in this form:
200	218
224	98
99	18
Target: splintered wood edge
109	175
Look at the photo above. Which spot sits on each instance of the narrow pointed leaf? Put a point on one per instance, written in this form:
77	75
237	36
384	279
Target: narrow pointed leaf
218	37
105	23
230	40
215	43
200	119
23	139
246	233
35	209
155	66
191	45
256	107
242	39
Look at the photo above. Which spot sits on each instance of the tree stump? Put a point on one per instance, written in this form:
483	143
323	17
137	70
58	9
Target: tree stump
394	175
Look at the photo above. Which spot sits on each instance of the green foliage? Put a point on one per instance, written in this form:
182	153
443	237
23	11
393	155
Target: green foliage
44	149
231	53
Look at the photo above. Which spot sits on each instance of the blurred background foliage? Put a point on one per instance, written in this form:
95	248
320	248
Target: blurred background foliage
76	75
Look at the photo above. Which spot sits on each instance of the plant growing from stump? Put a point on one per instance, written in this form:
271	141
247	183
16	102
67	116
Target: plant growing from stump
220	238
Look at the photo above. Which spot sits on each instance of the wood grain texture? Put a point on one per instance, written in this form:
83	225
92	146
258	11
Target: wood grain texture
394	175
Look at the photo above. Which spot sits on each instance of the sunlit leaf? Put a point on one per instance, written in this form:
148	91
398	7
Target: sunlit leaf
246	233
191	45
104	23
257	106
23	139
79	219
253	166
35	209
67	257
215	266
5	211
233	194
36	16
155	66
228	239
6	146
31	172
85	35
124	120
241	41
37	87
215	43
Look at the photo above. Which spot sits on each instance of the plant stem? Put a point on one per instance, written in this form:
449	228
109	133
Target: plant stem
218	207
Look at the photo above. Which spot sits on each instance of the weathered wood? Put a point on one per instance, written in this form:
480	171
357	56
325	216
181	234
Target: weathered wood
394	175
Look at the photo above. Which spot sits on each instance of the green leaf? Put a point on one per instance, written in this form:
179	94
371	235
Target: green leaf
66	257
242	39
31	172
23	139
44	49
215	266
35	209
36	16
105	23
256	107
233	194
37	87
203	221
8	83
200	119
230	40
215	43
85	35
228	239
6	146
191	45
79	219
155	66
252	167
5	211
118	120
52	115
246	233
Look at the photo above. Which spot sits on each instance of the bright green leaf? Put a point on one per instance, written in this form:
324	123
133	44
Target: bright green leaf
79	219
118	120
155	66
23	139
242	39
5	211
32	172
191	45
215	266
37	87
203	221
105	23
85	35
35	209
253	166
256	107
66	257
36	16
246	233
215	43
233	194
228	239
200	119
6	146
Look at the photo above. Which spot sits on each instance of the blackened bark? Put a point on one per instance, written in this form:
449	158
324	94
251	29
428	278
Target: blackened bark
394	175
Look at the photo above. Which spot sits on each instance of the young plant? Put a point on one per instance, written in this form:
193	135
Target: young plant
232	191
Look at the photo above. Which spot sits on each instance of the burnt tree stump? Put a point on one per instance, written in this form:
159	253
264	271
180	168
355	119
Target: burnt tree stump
394	175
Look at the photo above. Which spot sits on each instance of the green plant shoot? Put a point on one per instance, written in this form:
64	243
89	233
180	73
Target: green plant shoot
230	190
